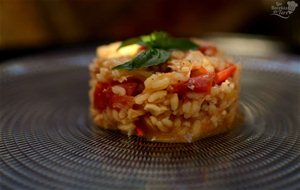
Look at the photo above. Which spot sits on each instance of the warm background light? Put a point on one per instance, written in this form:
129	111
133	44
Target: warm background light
46	23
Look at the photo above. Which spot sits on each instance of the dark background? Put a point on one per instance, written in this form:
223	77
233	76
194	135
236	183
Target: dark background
28	27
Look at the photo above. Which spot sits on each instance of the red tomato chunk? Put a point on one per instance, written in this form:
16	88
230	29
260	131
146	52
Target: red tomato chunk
104	97
208	50
200	84
225	74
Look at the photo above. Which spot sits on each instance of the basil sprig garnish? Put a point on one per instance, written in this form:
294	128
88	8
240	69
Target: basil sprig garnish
161	40
157	46
147	58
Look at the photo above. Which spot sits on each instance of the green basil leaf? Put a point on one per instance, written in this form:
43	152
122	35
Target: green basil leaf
172	43
161	40
147	58
155	37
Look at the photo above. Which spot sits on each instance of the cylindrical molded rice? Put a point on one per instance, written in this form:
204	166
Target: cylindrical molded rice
195	95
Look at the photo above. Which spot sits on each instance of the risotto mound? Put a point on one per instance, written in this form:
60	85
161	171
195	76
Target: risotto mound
191	95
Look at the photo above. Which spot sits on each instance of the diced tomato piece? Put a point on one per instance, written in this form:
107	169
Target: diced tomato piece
139	131
209	50
180	88
140	128
100	96
118	102
104	97
198	71
133	86
130	87
225	74
199	84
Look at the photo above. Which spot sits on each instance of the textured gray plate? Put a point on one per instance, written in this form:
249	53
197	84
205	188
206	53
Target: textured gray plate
48	142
